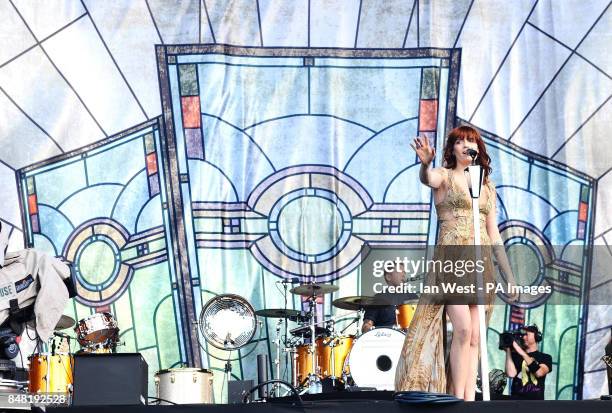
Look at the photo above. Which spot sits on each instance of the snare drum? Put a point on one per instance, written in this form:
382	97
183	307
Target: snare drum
50	373
97	328
184	385
373	359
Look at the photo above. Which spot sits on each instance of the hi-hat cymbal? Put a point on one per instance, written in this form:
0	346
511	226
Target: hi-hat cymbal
64	323
357	302
277	313
313	289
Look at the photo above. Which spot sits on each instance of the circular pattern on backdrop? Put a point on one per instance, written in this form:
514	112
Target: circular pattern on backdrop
309	211
95	251
529	254
310	225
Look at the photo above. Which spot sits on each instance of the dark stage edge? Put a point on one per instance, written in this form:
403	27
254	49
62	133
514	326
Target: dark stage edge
362	402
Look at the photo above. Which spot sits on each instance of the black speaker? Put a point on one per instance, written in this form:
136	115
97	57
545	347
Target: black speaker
237	389
110	379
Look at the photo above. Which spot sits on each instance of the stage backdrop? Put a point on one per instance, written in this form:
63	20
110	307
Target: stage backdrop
168	175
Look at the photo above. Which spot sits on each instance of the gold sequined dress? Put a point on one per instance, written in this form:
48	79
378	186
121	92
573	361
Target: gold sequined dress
421	366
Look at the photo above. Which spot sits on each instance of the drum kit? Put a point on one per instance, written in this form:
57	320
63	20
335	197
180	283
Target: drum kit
317	349
320	352
52	372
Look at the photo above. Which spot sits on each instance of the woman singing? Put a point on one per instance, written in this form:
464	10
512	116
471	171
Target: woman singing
421	366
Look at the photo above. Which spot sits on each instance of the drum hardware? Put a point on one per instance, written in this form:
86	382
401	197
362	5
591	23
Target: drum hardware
106	347
283	315
314	384
324	356
330	351
293	315
282	345
305	331
359	316
311	291
277	342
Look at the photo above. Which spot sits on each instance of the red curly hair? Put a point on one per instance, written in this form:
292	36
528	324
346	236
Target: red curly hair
471	135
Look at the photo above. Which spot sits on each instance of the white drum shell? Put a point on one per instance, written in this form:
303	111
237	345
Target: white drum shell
376	347
184	385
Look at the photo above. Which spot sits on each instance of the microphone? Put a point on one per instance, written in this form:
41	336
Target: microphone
62	335
294	280
472	152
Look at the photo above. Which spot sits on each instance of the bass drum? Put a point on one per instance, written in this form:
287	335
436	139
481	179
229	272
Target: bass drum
373	358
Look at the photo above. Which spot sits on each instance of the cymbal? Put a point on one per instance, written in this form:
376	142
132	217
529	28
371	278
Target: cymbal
277	313
313	289
64	323
357	302
305	331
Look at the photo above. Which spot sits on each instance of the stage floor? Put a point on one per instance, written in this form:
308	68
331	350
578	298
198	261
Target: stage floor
362	403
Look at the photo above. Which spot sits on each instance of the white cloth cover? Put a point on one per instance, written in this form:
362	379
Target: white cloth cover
45	288
4	239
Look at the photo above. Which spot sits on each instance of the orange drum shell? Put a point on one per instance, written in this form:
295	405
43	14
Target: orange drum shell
405	312
60	373
303	362
324	356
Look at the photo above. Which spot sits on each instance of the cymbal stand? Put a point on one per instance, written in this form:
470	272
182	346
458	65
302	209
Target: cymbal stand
312	376
277	342
359	317
332	343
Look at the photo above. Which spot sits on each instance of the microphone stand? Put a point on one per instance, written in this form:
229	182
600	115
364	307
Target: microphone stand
474	175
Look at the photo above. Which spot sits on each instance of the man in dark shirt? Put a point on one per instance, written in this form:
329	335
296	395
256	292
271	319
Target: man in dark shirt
527	366
384	316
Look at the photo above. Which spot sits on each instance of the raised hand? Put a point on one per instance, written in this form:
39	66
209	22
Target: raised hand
424	151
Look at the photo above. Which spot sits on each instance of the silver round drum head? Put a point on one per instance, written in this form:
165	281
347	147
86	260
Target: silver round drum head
228	321
374	356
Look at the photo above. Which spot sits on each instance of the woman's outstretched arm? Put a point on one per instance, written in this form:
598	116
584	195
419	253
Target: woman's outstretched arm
426	153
